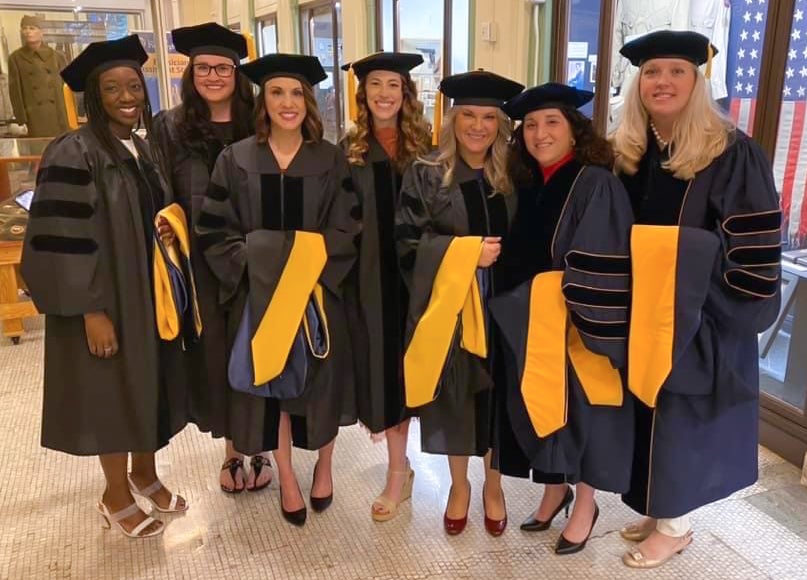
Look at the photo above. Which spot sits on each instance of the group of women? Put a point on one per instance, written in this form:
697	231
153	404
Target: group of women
579	310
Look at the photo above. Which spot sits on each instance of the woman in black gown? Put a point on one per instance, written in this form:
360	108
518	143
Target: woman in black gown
216	110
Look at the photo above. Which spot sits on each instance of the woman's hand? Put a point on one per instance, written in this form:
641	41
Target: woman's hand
491	248
165	231
101	339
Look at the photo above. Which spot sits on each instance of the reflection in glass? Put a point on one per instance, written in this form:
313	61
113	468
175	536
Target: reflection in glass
319	41
267	35
581	53
783	348
421	30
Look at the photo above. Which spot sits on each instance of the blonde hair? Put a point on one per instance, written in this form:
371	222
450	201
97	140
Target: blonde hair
700	133
495	169
414	134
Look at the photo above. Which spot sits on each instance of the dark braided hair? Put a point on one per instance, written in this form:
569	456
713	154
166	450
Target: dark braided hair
194	125
98	120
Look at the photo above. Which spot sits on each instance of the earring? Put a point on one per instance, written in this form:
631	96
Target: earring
574	142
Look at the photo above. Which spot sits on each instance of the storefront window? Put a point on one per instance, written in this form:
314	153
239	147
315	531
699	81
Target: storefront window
736	29
322	37
267	35
31	100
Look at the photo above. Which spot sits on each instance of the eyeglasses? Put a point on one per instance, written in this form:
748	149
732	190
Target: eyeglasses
222	70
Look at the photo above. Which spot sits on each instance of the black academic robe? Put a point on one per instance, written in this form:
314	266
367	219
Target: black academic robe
377	295
89	248
573	231
249	196
429	217
705	259
188	167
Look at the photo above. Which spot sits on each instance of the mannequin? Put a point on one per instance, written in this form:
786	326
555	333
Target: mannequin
34	83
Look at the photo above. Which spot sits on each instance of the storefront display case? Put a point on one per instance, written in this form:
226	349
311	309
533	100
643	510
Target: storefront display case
19	160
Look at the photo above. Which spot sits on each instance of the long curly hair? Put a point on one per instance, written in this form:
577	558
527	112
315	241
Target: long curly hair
414	133
194	126
589	149
495	171
700	134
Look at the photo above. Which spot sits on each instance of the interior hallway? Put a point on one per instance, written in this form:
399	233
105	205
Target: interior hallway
50	530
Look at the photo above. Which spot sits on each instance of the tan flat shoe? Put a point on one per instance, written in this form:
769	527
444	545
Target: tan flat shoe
634	558
387	504
638	531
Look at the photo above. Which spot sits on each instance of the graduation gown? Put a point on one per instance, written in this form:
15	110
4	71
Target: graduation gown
429	219
563	322
88	249
248	201
377	295
188	169
706	277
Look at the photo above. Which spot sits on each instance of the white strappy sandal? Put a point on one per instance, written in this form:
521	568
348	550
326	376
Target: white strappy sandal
137	532
154	488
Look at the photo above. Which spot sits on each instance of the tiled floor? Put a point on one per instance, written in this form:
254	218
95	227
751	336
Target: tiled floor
48	528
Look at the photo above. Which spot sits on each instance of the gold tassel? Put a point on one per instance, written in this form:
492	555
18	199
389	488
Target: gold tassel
70	107
252	52
352	106
438	118
709	55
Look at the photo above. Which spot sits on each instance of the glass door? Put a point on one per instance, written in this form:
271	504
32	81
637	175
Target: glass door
783	348
322	37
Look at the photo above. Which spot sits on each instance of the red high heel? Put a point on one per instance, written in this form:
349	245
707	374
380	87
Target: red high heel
455	527
494	527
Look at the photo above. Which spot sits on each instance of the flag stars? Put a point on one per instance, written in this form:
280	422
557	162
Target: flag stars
792	54
804	52
752	72
789	73
744	35
740	71
738	87
787	91
754	53
801	92
749	88
803	72
756	36
741	53
796	34
758	17
799	15
747	16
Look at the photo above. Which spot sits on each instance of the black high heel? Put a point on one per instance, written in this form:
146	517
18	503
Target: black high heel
564	547
297	517
320	504
531	524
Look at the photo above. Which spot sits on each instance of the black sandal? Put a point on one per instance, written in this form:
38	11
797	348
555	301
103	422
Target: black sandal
233	464
258	462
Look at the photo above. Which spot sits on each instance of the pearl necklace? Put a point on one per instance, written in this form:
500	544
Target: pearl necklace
664	144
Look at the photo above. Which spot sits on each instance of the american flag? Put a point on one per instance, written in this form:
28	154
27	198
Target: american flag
790	159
